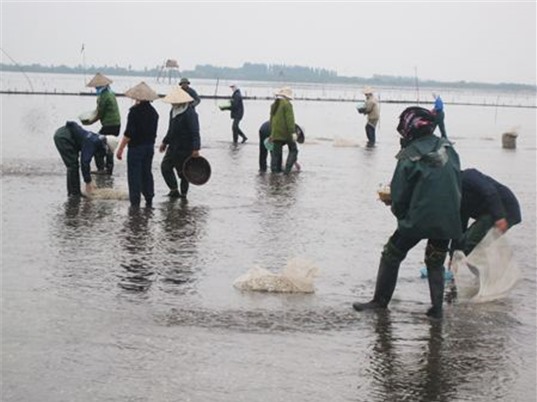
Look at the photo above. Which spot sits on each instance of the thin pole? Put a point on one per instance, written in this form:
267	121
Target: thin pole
417	84
20	68
83	52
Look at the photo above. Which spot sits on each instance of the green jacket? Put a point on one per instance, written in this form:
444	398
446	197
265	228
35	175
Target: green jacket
107	109
282	120
426	189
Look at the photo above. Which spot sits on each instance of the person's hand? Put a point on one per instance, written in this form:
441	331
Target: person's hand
119	153
162	147
195	154
502	225
89	188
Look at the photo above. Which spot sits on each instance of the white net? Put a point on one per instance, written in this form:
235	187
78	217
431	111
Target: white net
296	277
488	273
109	194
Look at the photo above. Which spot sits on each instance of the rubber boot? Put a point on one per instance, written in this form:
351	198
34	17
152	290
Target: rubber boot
434	260
386	279
73	182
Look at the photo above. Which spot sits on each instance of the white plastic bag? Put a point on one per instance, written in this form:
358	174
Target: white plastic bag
296	277
489	272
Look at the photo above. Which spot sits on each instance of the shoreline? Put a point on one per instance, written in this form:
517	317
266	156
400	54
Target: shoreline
268	98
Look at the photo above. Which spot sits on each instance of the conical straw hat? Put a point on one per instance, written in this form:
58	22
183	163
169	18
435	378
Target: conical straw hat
177	95
141	92
367	90
286	92
99	81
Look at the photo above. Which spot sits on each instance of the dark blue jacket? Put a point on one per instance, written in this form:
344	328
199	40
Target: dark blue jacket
482	195
237	107
183	132
89	144
264	130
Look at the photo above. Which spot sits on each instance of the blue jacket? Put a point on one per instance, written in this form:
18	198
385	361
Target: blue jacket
482	195
438	104
88	144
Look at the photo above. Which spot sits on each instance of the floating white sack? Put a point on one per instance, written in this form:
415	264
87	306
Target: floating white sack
296	277
496	272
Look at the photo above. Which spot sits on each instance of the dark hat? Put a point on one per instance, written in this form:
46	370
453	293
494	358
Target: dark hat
184	81
197	170
416	121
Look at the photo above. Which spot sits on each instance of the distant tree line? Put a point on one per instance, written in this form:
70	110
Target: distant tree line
266	72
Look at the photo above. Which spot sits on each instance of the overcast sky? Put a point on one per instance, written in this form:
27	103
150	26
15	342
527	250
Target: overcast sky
445	41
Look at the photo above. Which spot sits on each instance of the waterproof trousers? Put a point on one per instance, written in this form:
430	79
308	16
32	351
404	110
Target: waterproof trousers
236	131
175	160
276	156
263	153
105	162
440	123
69	153
370	132
393	254
139	174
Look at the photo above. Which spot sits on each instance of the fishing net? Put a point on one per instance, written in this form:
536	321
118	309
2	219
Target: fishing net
109	194
296	277
489	272
345	143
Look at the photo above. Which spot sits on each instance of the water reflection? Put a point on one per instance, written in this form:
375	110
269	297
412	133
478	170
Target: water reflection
138	259
81	232
400	372
277	197
182	229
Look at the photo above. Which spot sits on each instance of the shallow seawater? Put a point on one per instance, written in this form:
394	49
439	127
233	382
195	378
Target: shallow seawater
102	302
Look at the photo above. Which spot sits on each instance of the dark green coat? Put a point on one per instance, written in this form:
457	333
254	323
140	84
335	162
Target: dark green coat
426	189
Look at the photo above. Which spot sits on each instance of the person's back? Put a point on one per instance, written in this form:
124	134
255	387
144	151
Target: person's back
142	124
489	203
107	109
282	120
237	105
481	195
425	189
183	131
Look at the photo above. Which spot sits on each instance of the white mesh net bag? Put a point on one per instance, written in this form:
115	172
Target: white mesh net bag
489	272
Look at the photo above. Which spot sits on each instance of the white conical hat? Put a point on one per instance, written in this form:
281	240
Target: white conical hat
141	92
99	81
177	95
367	90
286	92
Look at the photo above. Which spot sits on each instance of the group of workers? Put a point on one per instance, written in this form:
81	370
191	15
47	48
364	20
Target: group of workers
181	141
431	198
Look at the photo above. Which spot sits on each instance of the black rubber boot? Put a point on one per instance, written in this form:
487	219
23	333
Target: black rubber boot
434	260
386	279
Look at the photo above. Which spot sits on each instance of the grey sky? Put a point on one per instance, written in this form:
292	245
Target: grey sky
448	41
